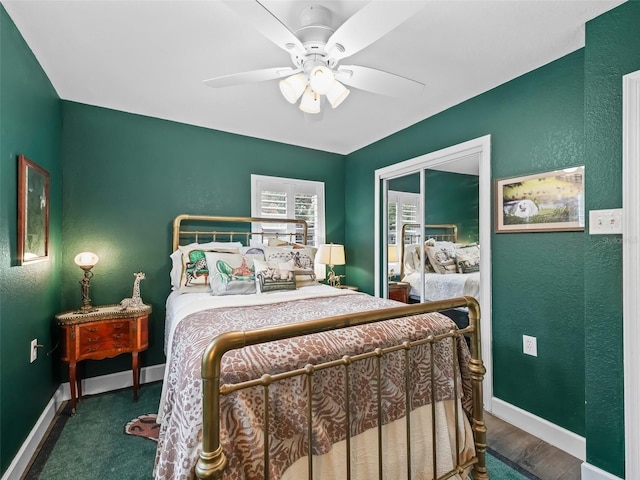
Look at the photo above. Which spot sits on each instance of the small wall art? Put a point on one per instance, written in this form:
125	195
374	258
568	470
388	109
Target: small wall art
33	212
543	202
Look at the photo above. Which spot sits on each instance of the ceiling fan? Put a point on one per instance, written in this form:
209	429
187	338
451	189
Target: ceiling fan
316	50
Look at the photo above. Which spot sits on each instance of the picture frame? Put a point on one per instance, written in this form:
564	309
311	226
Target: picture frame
542	202
33	212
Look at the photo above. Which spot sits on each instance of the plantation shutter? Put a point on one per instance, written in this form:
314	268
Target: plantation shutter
275	197
403	208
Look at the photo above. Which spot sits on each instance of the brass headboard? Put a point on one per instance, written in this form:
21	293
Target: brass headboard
195	228
444	232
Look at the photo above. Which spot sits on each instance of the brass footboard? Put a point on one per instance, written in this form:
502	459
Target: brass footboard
212	460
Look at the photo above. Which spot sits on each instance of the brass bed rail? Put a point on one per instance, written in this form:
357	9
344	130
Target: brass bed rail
212	461
183	226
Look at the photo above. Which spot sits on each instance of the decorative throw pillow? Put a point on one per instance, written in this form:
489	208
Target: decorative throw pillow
176	257
194	275
443	257
417	259
409	259
468	259
303	259
232	273
274	276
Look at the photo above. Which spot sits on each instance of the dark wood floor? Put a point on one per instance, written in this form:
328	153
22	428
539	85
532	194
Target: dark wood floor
543	460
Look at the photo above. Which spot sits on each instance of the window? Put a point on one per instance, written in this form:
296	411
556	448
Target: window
403	208
275	197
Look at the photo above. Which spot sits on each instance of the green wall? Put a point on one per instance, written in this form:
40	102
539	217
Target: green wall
449	198
612	50
536	124
127	176
30	124
453	198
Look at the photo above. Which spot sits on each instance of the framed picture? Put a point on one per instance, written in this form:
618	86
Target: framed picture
33	212
544	202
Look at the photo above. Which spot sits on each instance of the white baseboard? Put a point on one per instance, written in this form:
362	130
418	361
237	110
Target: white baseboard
589	472
90	386
557	436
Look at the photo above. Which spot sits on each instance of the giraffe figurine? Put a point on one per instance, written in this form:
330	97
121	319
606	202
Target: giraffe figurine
135	301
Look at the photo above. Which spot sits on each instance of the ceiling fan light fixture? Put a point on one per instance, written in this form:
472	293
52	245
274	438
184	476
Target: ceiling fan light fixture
321	78
293	87
310	102
337	93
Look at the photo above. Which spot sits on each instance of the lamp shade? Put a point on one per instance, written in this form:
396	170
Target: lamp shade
392	254
321	78
337	93
330	254
86	259
310	102
293	87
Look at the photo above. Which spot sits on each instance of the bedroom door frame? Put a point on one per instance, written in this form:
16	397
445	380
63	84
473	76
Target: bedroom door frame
631	268
481	147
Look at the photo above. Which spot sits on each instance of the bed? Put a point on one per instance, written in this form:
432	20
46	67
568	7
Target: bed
451	269
345	385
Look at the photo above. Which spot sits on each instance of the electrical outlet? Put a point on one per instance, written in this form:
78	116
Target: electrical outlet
530	345
33	351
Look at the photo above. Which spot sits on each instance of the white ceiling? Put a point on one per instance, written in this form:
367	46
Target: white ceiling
149	57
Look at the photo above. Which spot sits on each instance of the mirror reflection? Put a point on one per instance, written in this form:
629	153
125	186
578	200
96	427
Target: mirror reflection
432	241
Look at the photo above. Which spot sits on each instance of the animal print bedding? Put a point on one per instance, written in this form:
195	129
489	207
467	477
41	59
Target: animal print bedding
242	412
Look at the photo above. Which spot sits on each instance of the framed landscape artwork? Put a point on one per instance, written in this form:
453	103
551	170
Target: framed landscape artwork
33	212
544	202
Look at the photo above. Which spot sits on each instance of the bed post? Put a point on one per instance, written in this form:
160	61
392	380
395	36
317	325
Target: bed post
477	370
213	461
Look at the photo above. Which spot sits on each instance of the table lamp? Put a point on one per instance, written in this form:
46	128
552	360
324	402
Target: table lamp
331	254
86	261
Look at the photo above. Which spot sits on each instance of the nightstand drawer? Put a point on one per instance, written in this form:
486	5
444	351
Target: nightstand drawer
104	333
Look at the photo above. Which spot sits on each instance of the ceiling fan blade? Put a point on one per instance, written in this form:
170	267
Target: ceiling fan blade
268	24
370	23
378	81
252	76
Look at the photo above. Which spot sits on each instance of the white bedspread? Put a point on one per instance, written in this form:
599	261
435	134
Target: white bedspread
442	286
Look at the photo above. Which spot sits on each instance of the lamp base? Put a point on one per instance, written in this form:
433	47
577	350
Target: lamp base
333	279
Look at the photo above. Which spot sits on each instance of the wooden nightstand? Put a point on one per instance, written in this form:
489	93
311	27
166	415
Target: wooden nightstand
104	333
399	291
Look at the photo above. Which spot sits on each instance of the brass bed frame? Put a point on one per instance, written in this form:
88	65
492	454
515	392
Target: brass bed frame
212	461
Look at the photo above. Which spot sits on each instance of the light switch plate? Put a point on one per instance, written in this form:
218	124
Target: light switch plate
605	222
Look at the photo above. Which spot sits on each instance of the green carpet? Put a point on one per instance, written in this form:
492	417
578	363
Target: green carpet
92	445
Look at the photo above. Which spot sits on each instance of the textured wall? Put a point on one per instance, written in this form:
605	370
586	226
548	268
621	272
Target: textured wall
611	52
453	198
30	124
536	124
126	177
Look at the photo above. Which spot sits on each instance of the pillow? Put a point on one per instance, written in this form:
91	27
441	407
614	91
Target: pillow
468	259
176	258
194	273
417	260
303	259
252	250
232	273
409	259
442	257
274	276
